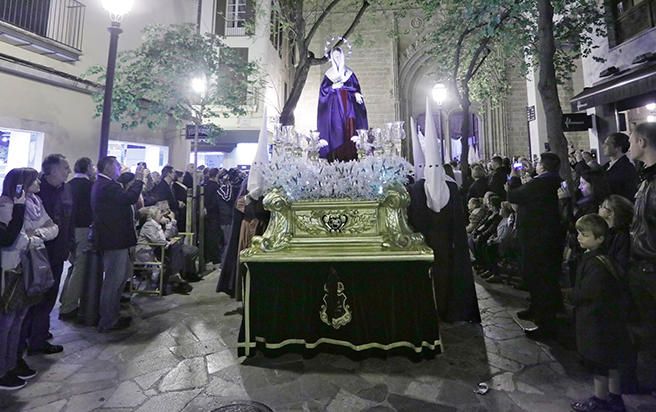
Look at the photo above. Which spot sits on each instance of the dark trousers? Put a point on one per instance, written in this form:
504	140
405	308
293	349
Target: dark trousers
213	238
36	324
540	264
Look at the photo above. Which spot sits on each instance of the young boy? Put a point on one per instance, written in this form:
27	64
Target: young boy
600	324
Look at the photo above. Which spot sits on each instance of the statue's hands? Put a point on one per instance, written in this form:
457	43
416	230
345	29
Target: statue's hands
359	98
338	85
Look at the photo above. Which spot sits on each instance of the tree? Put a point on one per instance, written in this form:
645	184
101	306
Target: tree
473	44
153	81
572	29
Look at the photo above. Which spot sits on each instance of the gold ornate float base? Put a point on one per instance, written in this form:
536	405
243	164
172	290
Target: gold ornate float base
338	230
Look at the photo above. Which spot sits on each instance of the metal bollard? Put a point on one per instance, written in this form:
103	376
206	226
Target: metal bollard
90	300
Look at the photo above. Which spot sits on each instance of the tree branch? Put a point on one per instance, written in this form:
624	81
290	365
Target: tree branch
320	20
354	23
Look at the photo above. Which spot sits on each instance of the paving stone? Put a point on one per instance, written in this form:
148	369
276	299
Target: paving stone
376	394
423	391
51	407
225	389
456	394
128	394
147	380
195	349
219	360
345	401
88	401
407	404
58	372
190	373
93	376
169	402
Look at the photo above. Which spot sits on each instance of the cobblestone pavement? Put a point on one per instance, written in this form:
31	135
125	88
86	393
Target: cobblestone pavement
181	356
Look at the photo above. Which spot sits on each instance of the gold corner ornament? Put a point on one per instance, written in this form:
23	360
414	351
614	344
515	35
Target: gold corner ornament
338	228
341	312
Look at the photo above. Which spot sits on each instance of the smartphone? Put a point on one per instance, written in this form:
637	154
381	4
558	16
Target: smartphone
518	166
563	185
19	191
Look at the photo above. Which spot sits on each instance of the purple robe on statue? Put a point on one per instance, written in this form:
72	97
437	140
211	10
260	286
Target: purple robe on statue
338	118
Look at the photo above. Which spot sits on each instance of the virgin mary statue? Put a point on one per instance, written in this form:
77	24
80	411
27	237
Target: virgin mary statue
341	110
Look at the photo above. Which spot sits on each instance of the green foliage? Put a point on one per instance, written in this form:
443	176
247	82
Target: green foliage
153	82
475	43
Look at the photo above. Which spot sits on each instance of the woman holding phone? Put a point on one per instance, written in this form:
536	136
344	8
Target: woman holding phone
22	220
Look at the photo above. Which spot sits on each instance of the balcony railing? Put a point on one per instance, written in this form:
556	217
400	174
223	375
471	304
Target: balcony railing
61	21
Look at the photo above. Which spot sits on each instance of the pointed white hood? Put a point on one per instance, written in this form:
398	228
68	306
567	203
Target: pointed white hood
255	177
437	191
417	151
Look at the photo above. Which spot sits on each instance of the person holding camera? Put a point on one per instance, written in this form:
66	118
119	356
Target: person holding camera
540	255
114	233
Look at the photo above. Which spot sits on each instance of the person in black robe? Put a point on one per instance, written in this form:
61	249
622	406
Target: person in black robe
445	233
228	277
213	234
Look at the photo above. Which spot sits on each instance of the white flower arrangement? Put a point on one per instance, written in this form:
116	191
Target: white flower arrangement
365	179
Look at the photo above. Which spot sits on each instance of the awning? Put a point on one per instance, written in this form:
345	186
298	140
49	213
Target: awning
229	140
631	83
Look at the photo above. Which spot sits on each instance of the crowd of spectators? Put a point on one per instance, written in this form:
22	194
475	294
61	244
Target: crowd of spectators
112	214
585	251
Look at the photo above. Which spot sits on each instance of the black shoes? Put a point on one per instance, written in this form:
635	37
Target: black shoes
526	315
22	370
69	317
11	382
590	405
122	323
47	349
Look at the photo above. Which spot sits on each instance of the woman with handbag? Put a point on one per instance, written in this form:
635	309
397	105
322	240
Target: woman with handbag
11	310
18	258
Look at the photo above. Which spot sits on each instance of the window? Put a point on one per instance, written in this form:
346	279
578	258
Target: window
61	21
231	16
236	18
276	29
19	148
129	154
629	18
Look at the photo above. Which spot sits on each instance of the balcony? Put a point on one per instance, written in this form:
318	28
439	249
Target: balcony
53	28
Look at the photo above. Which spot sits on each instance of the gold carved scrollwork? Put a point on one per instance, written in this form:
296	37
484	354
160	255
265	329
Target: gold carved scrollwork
330	221
277	236
397	234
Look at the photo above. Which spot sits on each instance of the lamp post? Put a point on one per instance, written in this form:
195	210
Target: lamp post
199	87
117	9
439	93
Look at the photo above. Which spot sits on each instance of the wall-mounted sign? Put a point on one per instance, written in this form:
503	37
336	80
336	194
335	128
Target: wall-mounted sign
530	113
576	122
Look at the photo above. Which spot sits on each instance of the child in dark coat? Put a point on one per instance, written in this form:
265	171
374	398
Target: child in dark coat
600	316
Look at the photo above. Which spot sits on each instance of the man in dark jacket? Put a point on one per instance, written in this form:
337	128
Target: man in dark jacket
85	174
163	190
498	177
180	195
622	175
58	202
541	240
114	232
642	270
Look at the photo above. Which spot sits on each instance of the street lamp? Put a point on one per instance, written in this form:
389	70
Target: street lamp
439	93
117	9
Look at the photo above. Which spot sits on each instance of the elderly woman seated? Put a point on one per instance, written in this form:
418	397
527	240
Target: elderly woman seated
152	236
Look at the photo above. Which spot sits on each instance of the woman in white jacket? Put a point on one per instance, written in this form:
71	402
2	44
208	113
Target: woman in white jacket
37	228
